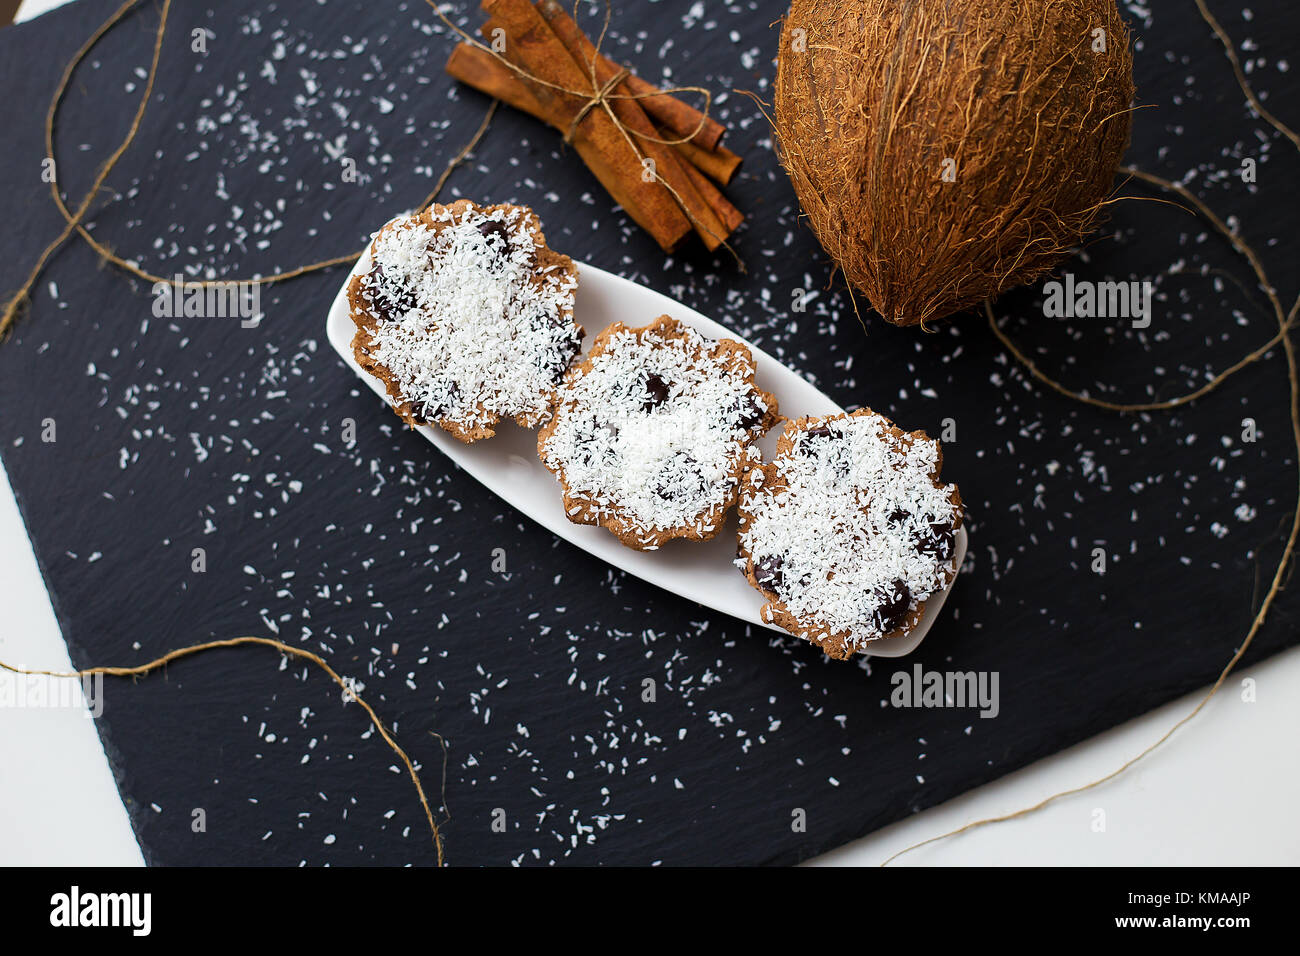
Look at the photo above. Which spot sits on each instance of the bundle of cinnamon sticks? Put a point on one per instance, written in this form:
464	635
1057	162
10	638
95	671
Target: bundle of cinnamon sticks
659	157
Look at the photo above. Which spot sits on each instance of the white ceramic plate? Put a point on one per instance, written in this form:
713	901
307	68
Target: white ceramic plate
508	464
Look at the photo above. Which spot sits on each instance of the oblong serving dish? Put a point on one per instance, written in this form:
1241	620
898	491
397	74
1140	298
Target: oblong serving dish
508	464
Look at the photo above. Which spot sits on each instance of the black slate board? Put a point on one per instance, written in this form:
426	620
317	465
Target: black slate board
173	435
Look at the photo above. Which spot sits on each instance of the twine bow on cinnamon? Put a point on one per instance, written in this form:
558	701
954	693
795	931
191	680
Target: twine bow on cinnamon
600	99
656	155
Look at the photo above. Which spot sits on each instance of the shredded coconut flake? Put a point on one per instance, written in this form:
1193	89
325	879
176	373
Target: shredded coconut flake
661	465
857	516
471	332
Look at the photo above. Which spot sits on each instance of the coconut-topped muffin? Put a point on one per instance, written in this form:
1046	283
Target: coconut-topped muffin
466	315
653	431
848	530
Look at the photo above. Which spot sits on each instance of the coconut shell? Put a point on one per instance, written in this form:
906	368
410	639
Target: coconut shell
945	152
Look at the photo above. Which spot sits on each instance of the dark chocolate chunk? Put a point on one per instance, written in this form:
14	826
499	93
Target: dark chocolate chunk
444	406
656	392
751	412
892	607
558	363
898	516
769	572
821	431
495	232
938	541
555	362
568	353
388	302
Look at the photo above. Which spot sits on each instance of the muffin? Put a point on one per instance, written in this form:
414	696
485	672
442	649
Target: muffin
653	432
466	316
848	531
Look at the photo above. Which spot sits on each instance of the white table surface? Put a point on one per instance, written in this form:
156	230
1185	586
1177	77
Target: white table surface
1222	791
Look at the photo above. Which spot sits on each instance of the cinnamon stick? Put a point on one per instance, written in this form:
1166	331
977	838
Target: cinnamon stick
719	164
673	114
669	165
533	45
730	216
477	68
542	59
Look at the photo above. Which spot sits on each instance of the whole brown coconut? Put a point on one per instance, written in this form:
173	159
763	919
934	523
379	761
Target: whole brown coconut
947	151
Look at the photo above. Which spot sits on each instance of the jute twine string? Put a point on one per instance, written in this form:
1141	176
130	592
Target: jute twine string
75	224
19	298
598	96
74	221
599	99
139	670
1237	243
1285	320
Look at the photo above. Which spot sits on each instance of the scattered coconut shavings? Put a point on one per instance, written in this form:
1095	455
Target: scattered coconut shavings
853	533
651	434
1148	494
469	326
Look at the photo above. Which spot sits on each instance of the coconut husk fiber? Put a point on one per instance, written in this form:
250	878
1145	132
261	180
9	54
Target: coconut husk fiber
945	152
